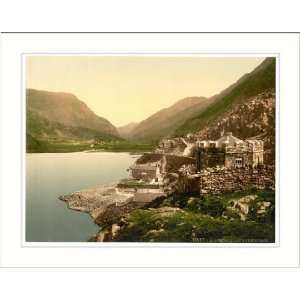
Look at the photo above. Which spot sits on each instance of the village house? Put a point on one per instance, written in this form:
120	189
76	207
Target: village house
230	152
147	172
152	167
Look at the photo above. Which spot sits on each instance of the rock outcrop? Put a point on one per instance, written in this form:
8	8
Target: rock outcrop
243	207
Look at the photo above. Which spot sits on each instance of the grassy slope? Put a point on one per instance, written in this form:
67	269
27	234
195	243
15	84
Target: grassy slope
186	226
165	122
43	129
45	136
201	224
66	109
47	131
261	79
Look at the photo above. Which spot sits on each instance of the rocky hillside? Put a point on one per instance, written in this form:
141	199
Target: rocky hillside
63	116
254	118
191	115
250	85
166	121
247	109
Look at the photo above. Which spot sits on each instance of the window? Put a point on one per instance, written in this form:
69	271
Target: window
238	162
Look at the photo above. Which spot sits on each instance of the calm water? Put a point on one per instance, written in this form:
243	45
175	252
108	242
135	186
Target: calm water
49	175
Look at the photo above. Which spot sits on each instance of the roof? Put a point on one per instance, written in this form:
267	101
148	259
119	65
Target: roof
229	139
143	167
172	162
147	158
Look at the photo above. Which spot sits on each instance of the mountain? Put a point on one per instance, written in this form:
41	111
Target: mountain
259	80
63	116
166	121
190	115
247	109
125	131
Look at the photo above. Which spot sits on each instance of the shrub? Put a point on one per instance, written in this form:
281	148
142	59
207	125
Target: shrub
213	206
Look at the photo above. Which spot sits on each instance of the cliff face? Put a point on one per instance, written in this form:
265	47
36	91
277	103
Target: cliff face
260	80
254	118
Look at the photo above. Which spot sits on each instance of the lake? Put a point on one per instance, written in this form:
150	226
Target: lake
49	175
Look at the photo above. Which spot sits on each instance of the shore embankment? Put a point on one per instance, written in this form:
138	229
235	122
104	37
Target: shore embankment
106	203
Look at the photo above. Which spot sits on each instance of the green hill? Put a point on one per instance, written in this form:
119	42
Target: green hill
259	80
166	121
62	117
43	129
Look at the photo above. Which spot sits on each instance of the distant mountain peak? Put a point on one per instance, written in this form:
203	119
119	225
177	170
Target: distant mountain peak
125	130
164	122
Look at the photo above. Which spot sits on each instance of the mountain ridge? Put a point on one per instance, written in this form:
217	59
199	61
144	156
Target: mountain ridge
67	109
259	80
62	116
189	114
164	122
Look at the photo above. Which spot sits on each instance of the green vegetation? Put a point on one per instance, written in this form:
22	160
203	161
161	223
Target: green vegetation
216	206
59	122
187	226
65	111
261	79
42	129
45	136
202	219
34	145
125	146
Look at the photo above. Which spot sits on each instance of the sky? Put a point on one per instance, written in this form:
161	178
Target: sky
126	89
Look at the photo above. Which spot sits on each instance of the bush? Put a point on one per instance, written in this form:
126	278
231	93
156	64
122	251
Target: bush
213	206
187	226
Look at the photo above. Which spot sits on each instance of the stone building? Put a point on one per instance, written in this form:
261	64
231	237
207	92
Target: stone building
229	152
174	146
147	172
152	167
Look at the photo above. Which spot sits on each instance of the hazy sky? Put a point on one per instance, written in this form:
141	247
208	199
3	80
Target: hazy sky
123	89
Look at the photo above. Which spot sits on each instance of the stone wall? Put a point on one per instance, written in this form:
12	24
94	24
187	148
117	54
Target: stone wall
222	180
146	174
209	157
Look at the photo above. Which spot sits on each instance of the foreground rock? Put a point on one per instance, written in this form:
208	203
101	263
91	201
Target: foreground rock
112	232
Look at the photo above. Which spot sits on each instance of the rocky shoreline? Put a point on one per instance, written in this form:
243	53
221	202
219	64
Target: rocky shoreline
245	216
106	204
